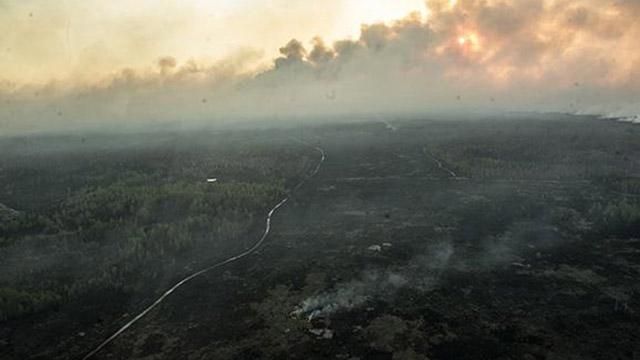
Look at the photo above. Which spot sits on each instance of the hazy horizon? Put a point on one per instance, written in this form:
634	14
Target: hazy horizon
337	179
95	64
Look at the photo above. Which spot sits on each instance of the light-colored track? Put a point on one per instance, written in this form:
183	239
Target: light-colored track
235	258
451	173
8	209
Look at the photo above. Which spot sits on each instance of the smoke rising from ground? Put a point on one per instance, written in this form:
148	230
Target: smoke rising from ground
421	273
424	272
465	56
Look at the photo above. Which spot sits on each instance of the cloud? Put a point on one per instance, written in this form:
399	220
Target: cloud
528	54
320	54
476	55
167	63
292	53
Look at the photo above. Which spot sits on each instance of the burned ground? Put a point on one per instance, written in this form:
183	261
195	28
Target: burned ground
458	239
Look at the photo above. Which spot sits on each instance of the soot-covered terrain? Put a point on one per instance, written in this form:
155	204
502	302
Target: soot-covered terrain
512	237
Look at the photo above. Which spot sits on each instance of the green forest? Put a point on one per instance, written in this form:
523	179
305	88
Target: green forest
129	230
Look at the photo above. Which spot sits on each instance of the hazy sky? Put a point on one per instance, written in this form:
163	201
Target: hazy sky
43	40
67	64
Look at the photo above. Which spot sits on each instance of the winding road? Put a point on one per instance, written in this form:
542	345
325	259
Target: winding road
440	164
222	263
389	126
8	209
430	154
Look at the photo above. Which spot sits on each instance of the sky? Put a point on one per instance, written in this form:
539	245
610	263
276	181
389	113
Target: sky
57	40
72	63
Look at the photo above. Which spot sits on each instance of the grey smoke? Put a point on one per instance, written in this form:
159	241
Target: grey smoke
532	53
352	294
421	273
424	272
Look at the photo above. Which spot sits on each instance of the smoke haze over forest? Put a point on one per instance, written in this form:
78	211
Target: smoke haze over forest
463	56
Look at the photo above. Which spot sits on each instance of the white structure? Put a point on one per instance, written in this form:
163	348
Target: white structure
376	248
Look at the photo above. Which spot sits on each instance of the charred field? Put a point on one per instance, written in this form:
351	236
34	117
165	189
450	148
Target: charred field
511	237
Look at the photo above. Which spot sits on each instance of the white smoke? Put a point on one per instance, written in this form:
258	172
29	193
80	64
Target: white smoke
421	273
352	294
480	55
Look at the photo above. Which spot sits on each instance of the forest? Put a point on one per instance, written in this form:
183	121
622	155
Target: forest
124	220
488	237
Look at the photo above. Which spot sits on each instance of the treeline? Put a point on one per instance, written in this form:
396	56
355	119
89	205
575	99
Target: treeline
621	184
15	302
540	150
131	220
120	230
479	163
617	218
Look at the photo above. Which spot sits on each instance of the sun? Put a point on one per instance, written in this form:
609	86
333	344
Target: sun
470	41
